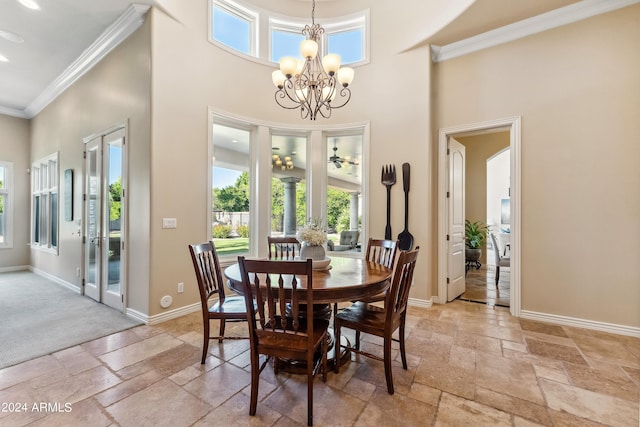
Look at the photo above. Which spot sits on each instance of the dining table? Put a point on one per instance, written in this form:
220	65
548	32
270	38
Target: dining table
344	279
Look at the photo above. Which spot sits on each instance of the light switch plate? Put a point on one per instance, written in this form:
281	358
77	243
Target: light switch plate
169	223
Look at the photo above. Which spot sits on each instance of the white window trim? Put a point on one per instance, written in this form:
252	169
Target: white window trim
331	26
46	186
260	155
263	21
7	192
349	23
242	12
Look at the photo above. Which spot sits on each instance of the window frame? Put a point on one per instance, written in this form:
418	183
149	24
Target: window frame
285	26
353	22
251	129
264	21
260	172
45	178
331	27
241	12
7	192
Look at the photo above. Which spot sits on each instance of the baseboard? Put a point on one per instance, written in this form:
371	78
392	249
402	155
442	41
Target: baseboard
612	328
14	268
163	317
415	302
53	278
437	300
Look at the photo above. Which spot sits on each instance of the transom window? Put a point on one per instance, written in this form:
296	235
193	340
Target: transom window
234	26
44	203
238	27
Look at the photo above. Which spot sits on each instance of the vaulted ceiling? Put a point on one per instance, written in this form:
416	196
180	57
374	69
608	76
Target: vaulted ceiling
40	46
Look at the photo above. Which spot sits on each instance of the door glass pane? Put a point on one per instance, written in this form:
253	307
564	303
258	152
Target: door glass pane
93	188
113	170
344	192
3	202
288	184
2	218
230	190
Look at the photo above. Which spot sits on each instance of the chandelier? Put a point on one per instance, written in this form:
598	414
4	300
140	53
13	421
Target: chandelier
315	86
283	164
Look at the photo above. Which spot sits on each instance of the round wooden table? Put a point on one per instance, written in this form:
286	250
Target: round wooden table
348	279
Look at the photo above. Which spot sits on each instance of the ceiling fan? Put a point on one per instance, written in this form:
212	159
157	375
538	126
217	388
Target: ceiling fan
337	160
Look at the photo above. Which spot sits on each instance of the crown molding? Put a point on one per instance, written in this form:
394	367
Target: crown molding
14	112
537	24
130	20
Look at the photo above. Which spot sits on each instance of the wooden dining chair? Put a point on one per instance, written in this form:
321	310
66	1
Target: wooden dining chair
381	252
283	247
214	303
279	327
382	321
500	260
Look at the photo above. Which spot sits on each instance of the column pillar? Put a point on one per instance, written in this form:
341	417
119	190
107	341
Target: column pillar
289	221
353	217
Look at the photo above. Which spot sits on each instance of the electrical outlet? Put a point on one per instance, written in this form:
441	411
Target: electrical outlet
180	287
78	272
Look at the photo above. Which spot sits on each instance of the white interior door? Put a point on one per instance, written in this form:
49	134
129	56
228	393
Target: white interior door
455	209
104	223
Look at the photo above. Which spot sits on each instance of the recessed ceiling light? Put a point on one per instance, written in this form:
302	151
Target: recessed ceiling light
12	37
31	4
3	58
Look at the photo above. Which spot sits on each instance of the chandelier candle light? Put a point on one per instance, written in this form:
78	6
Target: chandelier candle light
312	85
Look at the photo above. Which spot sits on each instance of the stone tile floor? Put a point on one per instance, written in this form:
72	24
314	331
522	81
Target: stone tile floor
480	286
469	365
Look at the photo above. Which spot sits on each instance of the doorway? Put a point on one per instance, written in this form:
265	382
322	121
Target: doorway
104	231
445	267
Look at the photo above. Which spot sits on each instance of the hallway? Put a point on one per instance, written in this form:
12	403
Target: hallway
480	285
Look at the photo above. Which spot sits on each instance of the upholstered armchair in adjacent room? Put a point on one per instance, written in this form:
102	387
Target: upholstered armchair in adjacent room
348	241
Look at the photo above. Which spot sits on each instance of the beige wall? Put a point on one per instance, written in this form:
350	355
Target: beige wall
14	147
392	92
578	92
478	149
115	91
571	86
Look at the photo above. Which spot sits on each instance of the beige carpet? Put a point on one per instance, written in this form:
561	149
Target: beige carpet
38	317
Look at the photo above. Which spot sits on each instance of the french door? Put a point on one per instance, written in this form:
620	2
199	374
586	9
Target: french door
104	231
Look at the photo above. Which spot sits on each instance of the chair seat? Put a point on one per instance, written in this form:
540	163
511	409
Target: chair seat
296	343
368	318
232	306
504	262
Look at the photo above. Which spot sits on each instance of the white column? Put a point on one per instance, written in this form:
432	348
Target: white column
353	218
289	225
